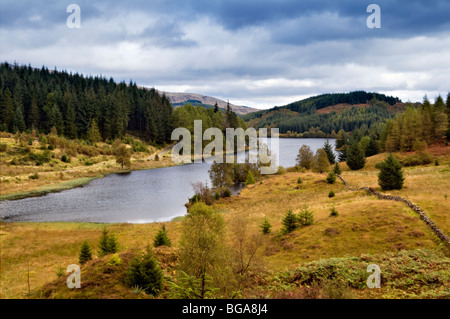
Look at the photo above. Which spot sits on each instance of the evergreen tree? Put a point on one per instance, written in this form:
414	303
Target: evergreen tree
331	178
216	108
18	121
266	226
393	137
93	134
337	169
289	222
355	157
447	111
7	109
305	217
440	120
33	116
144	272
161	238
108	244
305	157
372	148
391	174
329	151
85	253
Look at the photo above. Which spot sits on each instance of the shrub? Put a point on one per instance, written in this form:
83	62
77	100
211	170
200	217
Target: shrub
114	260
436	162
289	222
331	194
85	253
333	212
3	147
281	170
65	158
226	193
299	181
331	178
265	227
305	217
161	238
51	147
250	178
144	272
34	176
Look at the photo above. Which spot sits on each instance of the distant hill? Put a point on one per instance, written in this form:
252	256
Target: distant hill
180	99
328	113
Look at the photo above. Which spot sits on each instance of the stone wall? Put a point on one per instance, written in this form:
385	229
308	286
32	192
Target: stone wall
444	238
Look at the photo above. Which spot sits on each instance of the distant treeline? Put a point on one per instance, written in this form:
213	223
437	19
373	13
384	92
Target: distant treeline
302	116
39	99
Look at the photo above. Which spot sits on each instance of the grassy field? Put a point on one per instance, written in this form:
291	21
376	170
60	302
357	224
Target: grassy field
34	255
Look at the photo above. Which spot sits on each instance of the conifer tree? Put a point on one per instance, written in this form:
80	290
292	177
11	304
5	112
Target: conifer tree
329	151
305	217
355	157
391	174
93	134
161	238
337	169
289	222
266	226
331	178
108	244
144	272
18	121
250	178
85	253
372	147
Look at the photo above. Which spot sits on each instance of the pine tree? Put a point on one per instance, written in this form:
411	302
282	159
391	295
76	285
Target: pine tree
161	238
337	169
266	227
331	178
289	222
93	134
393	137
305	217
216	108
8	110
85	253
372	147
440	120
18	121
144	272
329	151
391	174
108	244
355	157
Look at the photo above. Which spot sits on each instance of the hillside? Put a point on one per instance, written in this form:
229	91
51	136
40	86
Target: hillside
328	113
178	99
295	265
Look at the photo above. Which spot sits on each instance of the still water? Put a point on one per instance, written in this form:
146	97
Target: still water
137	197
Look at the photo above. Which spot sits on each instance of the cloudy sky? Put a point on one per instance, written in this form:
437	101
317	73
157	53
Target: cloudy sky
252	52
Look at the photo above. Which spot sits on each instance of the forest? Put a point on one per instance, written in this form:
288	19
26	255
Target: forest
302	116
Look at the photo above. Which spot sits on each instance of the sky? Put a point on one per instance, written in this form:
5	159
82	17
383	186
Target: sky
257	53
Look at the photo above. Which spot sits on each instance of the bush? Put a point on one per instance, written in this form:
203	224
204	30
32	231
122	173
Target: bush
51	147
3	147
299	181
333	212
65	158
305	217
331	178
331	194
114	260
422	158
226	193
144	272
34	176
250	178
